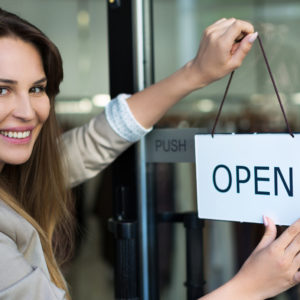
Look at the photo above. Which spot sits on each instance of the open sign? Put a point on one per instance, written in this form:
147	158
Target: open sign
241	177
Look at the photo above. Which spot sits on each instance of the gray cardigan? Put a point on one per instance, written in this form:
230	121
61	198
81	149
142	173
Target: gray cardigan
23	271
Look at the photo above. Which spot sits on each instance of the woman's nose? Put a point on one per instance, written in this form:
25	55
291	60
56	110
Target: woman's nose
23	108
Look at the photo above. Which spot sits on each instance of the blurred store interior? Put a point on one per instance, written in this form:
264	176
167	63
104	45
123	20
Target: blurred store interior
79	29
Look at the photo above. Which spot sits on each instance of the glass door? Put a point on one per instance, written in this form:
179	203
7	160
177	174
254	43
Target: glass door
251	106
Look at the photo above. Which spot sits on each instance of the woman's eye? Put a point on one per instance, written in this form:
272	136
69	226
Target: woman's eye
37	89
3	91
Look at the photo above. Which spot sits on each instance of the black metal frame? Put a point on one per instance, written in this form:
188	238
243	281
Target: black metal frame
124	221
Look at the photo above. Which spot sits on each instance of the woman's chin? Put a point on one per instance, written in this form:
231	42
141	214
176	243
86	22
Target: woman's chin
17	161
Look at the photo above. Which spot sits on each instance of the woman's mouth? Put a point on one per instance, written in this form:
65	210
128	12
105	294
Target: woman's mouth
16	134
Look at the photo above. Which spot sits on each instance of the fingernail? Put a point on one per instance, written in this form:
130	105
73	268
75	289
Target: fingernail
265	221
252	37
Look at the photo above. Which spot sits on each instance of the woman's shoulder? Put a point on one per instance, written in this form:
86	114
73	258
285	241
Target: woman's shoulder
22	262
17	230
14	225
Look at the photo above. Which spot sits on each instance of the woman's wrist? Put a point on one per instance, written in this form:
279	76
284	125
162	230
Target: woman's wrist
235	289
243	288
194	78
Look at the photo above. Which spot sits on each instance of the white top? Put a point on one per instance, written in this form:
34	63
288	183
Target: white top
122	121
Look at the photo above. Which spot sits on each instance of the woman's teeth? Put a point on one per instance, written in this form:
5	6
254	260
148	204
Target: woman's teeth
16	135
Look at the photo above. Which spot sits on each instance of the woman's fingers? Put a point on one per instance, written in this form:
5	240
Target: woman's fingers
220	26
297	266
215	25
297	277
273	267
293	248
235	36
215	58
288	235
240	50
240	37
288	244
269	235
219	21
236	30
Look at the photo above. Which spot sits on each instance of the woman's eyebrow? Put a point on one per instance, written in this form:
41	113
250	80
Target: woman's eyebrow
8	81
44	79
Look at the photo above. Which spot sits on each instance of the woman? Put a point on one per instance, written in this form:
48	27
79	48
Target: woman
34	202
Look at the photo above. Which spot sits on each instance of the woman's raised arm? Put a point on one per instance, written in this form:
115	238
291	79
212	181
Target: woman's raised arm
223	47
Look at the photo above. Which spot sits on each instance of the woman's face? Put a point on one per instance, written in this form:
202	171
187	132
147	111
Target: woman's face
24	104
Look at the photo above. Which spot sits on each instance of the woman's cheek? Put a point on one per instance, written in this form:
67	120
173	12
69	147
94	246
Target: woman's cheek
5	110
43	109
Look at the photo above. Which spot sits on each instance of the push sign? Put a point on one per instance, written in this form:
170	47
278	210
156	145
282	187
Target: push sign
241	177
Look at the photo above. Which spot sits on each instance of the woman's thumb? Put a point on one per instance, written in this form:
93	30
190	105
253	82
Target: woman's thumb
243	48
269	235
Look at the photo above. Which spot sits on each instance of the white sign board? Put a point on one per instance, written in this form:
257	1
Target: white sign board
241	177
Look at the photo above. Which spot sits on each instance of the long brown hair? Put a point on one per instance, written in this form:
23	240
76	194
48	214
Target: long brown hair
41	197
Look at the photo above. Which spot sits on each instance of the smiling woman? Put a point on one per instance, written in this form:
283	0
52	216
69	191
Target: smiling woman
30	74
24	104
35	171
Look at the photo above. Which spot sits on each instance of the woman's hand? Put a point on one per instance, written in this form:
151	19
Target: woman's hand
223	47
273	266
271	269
